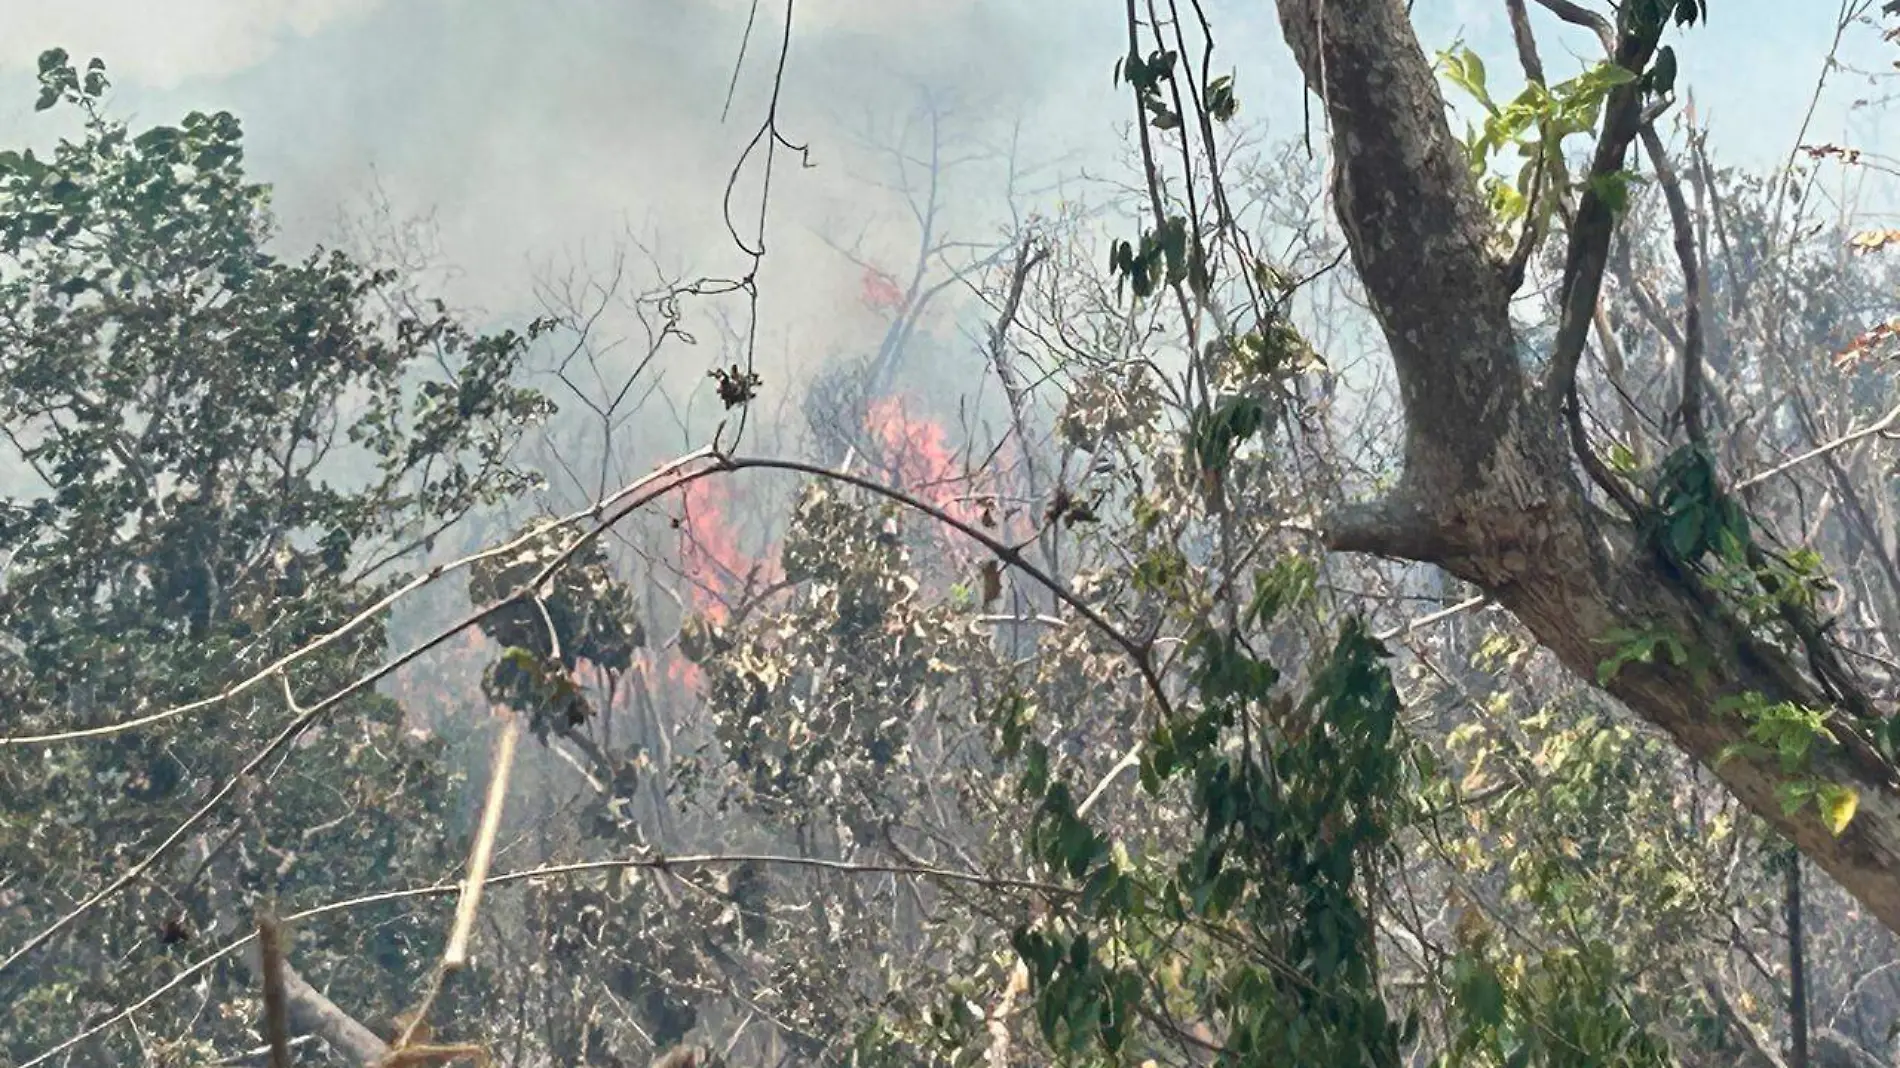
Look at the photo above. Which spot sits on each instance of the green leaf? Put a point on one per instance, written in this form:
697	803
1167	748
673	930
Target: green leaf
1220	100
1685	534
1661	78
1481	994
1794	795
1838	805
1609	75
1613	189
1291	581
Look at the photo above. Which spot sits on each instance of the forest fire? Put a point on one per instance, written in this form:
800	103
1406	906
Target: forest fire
914	455
715	570
714	574
435	687
880	291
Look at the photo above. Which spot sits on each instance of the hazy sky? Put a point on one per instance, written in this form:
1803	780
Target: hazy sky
537	128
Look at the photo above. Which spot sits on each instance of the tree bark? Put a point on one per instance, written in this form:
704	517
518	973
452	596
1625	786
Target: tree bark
1797	966
1490	490
312	1013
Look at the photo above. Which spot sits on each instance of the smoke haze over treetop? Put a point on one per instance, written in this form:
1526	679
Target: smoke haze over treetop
535	130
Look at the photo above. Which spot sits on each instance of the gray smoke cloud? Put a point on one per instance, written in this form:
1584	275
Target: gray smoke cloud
532	130
537	132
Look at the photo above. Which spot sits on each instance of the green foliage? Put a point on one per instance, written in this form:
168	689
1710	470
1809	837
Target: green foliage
1660	78
1145	77
1649	16
1290	821
1613	188
1217	434
1553	1013
1168	255
1536	123
221	454
1600	884
1693	517
1639	646
581	614
1791	733
1273	352
1290	582
1081	999
1780	728
1220	101
1704	530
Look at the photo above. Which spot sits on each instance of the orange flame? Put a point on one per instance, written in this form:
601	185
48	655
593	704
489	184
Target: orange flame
916	457
711	561
717	571
912	452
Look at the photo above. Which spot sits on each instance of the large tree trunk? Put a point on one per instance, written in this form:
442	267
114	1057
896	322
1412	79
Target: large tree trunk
1491	491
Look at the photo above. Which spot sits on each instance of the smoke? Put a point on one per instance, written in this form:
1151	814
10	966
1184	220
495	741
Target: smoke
162	45
540	136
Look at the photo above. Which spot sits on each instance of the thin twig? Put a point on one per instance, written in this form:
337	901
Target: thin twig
1881	426
301	723
374	611
191	971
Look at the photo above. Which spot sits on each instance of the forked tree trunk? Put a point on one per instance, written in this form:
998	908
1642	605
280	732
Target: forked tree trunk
1491	491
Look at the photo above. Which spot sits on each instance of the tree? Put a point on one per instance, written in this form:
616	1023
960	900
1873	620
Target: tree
900	824
225	456
1502	489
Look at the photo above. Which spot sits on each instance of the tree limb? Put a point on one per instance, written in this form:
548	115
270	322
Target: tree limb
1491	491
1417	230
270	948
1683	231
1595	224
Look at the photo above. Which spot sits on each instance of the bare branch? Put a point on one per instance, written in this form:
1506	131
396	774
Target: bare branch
1578	15
480	855
343	1032
1882	426
270	947
304	652
1393	527
1595	223
1683	230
